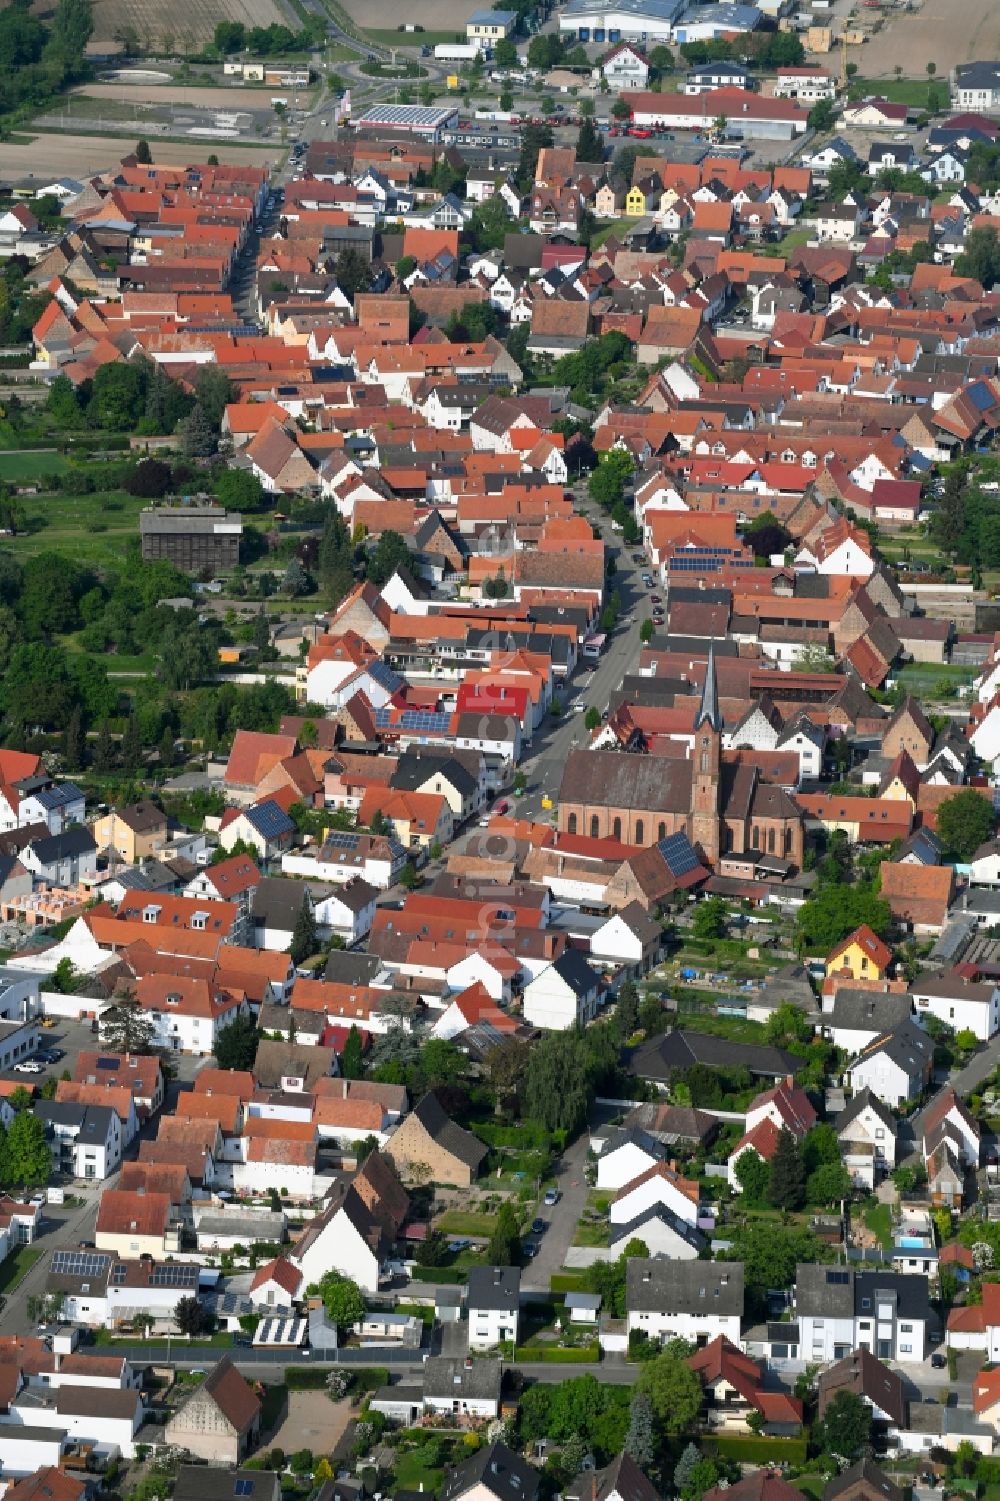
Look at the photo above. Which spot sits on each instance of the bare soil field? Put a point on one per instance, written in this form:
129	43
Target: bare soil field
945	32
180	94
386	15
190	24
76	156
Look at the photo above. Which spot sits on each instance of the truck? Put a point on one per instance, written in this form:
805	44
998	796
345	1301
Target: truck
498	116
456	52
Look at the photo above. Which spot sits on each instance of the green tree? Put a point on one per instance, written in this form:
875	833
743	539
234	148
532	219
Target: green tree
304	938
981	257
828	1184
621	110
787	1187
125	1027
647	631
685	1468
143	155
674	1392
589	144
845	1427
74	743
342	1299
236	1044
835	911
640	1441
351	1059
131	747
27	1158
198	439
192	1317
627	1010
504	1247
408	877
709	920
352	272
753	1175
213	392
964	822
390	552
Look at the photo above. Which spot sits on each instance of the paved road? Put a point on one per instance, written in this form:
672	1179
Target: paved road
561	1219
966	1080
556	738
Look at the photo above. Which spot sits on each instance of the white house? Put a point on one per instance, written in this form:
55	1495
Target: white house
866	1131
841	1310
896	1067
86	1140
461	1388
493	1303
659	1186
348	912
624	1155
629	938
693	1300
64	859
965	1002
984	867
625	68
661	1233
854	1019
340	1239
563	995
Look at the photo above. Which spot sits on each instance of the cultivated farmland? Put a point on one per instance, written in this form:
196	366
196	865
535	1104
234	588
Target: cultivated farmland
164	27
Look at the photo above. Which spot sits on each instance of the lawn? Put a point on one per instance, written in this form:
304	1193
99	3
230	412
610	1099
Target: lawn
593	1236
30	464
17	1266
90	528
811	1485
414	38
616	227
912	91
414	1474
878	1218
466	1222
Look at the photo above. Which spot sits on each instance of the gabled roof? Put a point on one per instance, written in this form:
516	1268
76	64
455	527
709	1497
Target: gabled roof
879	953
439	1125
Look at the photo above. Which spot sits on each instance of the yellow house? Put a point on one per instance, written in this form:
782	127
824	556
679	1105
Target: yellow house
635	202
860	956
490	26
901	781
134	833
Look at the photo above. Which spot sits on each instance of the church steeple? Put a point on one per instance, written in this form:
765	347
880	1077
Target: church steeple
708	709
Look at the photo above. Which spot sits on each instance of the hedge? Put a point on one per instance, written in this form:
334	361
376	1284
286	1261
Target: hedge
440	1273
305	1378
756	1449
545	1355
527	1136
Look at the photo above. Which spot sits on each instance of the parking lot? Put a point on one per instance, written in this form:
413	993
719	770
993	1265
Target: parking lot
70	1038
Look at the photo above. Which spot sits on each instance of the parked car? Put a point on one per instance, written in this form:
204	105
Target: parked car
939	1361
29	1066
538	1227
552	1196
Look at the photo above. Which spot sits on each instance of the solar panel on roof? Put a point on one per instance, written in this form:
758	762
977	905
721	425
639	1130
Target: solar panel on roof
339	841
172	1275
981	396
678	855
80	1263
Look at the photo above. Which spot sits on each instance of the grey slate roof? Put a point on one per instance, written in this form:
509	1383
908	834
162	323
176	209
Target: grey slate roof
453	1378
695	1287
855	1106
505	1474
447	1133
869	1010
494	1287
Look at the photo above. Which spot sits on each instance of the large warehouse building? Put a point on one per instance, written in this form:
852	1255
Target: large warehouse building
654	21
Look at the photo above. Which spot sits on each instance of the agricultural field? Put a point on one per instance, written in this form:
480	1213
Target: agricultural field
72	155
179	94
942	31
383	16
164	28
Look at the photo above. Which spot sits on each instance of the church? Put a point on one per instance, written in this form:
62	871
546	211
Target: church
727	812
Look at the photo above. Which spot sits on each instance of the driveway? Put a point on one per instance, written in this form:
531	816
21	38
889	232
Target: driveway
561	1219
